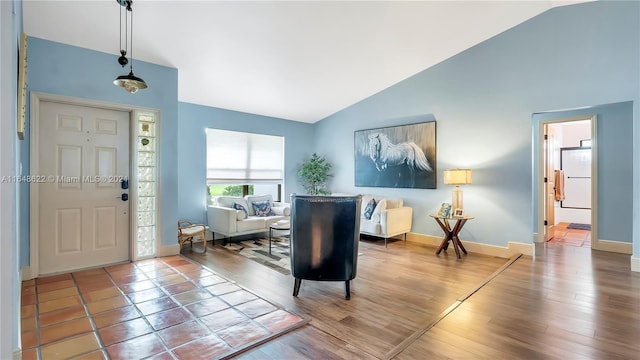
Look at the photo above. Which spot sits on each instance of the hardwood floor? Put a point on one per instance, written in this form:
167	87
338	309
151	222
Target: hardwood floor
566	303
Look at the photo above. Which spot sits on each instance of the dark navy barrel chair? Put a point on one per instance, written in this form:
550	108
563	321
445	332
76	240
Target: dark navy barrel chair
325	231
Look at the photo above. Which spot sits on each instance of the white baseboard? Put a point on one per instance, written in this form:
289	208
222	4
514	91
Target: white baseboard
522	248
635	264
479	248
25	273
615	246
168	250
424	239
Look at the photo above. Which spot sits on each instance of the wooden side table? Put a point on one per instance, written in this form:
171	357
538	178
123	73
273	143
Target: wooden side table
451	234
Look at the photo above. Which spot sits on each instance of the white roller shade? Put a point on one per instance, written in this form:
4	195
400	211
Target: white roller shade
244	158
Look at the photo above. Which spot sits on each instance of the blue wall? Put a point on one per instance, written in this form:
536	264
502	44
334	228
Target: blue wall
615	165
61	69
192	150
483	100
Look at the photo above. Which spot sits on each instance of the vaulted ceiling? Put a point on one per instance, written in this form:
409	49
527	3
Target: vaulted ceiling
297	60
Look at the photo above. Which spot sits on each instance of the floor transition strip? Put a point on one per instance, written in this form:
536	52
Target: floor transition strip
425	328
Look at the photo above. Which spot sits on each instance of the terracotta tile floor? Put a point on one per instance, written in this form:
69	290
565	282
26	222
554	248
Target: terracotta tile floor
165	308
572	237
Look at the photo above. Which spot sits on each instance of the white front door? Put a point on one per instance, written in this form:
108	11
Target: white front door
83	156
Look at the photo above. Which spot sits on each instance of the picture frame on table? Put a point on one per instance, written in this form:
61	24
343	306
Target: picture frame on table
445	210
458	213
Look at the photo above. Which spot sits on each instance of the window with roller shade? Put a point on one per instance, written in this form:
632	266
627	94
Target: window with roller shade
240	163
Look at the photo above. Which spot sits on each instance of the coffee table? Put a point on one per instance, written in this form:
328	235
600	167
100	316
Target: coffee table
282	225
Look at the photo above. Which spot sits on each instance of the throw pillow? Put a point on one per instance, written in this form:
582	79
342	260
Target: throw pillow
368	210
380	207
250	199
240	208
263	208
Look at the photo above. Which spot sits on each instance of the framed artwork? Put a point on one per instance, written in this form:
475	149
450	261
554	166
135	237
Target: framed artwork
457	212
398	156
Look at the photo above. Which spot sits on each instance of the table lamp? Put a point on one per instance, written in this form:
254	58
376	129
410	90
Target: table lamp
457	177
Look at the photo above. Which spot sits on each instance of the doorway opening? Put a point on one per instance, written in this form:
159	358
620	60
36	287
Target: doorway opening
568	184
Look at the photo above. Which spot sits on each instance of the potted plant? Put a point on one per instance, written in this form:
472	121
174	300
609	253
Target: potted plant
314	174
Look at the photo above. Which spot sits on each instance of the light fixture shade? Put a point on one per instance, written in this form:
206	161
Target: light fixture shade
130	82
457	177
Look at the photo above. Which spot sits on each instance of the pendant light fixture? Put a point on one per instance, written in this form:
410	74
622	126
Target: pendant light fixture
129	82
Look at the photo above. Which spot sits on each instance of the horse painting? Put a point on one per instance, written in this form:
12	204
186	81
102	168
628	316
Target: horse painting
400	161
402	156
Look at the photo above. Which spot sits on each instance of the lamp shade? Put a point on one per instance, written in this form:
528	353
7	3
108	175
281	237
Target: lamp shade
130	82
457	177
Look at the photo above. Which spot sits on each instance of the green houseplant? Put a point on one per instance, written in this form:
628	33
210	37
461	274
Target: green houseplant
314	173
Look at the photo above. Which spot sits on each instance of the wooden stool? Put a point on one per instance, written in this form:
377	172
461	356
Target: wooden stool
187	231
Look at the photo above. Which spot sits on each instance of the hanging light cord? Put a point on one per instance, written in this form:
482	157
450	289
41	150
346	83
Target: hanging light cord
130	82
121	30
131	41
128	45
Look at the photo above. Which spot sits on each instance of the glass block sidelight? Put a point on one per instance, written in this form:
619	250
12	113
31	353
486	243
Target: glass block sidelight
146	203
146	144
146	233
146	218
146	128
146	173
147	159
147	185
147	118
146	188
146	248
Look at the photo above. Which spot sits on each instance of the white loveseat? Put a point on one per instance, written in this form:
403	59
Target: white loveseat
388	218
228	221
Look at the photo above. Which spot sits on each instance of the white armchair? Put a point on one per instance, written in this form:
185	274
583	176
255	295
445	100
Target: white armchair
386	219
